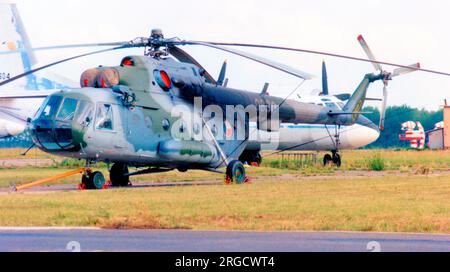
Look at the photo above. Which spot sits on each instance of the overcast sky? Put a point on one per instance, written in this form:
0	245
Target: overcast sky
403	32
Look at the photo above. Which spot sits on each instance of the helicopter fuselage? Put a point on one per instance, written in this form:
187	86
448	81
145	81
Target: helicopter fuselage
141	113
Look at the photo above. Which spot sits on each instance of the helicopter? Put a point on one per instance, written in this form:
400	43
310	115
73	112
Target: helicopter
163	111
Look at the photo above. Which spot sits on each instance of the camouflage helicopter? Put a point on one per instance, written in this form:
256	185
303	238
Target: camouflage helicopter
160	114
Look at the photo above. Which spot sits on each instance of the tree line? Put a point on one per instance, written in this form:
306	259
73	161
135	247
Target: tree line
395	116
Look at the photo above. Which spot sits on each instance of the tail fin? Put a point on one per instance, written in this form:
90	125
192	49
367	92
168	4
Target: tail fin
356	101
13	36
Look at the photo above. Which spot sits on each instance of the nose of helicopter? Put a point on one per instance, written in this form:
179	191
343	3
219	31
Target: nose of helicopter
51	135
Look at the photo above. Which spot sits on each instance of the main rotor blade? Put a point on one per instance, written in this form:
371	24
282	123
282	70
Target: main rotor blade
369	53
14	78
270	63
183	56
81	45
402	71
322	53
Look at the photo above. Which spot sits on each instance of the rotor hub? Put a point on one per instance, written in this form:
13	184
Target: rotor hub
157	44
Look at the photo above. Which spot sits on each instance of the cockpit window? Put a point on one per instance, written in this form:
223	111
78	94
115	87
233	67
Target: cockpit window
68	108
51	107
332	106
104	120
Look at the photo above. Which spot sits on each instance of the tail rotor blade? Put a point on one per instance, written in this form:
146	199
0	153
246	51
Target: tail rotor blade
383	107
402	71
369	53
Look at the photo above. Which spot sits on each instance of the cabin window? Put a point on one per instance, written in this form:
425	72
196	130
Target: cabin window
68	108
104	119
332	106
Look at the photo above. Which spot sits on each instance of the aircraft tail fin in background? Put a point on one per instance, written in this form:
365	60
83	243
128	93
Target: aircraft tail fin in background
356	101
13	36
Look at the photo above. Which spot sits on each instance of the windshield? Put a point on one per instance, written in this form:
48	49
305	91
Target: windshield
67	111
50	108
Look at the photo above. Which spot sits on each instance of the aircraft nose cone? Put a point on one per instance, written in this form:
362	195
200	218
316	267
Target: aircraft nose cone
369	131
363	133
372	134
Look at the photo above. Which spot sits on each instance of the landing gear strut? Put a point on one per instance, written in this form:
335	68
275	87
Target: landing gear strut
335	156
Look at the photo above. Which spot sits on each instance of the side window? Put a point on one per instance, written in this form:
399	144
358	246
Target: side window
85	113
104	119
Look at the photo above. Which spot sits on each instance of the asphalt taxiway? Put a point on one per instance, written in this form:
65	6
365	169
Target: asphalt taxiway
63	239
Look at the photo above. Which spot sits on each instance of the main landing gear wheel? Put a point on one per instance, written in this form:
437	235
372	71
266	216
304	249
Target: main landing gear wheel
235	173
93	180
118	176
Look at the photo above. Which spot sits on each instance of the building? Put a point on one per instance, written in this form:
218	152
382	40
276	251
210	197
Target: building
439	137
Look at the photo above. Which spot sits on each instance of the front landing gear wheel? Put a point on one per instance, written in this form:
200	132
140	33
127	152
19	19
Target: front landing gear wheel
118	175
236	173
93	181
337	160
327	160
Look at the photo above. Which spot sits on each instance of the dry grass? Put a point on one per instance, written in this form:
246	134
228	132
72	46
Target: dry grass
374	203
414	204
15	153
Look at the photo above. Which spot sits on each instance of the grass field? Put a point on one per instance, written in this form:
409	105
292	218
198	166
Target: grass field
402	200
416	204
